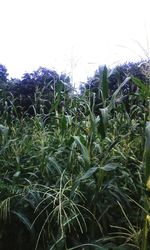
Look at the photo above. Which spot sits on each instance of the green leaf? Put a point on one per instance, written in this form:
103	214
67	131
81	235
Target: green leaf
110	167
144	89
55	104
105	83
114	96
89	173
103	122
63	123
53	166
84	150
85	176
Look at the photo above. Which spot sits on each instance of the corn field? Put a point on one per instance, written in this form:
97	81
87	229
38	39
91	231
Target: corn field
76	176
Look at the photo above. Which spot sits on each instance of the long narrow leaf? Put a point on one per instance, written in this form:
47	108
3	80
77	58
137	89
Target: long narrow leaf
105	83
84	150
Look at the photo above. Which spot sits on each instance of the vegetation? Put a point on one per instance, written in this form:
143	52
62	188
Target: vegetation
75	169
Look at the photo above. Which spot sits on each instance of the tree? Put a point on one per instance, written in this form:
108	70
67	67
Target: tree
3	73
36	91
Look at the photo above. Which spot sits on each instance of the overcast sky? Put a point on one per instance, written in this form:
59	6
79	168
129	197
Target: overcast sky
72	35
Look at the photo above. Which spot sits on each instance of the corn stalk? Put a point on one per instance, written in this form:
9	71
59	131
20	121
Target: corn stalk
147	179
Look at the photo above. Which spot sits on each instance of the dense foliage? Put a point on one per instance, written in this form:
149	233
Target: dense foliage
73	175
107	80
35	92
118	74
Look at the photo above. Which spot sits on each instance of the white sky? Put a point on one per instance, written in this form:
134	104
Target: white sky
71	35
